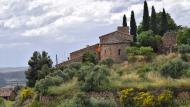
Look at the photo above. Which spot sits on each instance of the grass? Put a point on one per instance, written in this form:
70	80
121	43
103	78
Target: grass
9	103
65	88
130	75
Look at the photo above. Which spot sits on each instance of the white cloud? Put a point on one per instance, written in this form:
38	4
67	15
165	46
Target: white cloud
59	24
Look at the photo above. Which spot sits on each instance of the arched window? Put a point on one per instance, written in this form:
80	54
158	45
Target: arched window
119	51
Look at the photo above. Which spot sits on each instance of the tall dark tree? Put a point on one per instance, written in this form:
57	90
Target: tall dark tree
124	21
36	63
146	18
133	27
153	24
164	23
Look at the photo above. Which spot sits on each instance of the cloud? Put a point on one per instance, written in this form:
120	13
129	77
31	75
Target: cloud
62	26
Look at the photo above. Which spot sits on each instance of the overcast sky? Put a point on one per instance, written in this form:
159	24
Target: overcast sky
62	26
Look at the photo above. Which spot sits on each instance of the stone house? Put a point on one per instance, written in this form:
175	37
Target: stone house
7	93
111	45
114	44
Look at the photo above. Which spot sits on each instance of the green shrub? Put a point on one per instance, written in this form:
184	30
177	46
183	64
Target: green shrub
2	103
89	57
109	62
147	39
183	49
43	84
134	52
142	71
96	78
174	68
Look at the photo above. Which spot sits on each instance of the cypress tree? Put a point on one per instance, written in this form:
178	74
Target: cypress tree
146	18
133	27
164	23
153	25
124	21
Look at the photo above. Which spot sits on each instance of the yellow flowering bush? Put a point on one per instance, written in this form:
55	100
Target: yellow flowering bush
165	98
126	97
133	98
144	99
26	93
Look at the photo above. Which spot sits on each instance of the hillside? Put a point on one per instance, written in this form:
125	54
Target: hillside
105	84
11	74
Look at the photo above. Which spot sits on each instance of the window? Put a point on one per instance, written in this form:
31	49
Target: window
119	51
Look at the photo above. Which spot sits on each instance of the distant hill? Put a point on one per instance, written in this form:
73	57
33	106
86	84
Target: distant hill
12	74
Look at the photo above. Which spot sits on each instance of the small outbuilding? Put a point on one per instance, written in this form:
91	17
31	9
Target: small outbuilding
7	93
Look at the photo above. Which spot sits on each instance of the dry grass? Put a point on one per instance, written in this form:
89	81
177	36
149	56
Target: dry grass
65	88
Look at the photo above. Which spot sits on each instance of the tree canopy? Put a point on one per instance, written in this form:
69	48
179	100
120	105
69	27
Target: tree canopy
36	63
146	18
133	27
124	21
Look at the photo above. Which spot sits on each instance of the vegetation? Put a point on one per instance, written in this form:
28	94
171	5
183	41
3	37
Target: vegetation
36	63
148	80
149	39
164	23
124	21
174	68
2	102
146	18
133	26
153	24
183	36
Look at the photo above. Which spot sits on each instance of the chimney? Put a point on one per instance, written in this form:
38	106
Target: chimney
123	29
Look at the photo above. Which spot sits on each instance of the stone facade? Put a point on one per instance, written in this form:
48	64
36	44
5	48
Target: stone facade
169	42
114	44
79	53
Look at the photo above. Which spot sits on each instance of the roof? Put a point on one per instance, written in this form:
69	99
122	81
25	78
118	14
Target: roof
4	92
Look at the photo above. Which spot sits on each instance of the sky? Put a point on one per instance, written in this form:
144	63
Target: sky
62	26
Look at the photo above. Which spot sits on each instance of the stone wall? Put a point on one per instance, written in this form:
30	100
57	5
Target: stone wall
115	51
78	54
169	42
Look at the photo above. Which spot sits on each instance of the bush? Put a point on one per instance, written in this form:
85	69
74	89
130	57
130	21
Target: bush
144	99
165	99
183	36
184	50
26	93
2	103
43	84
109	62
146	52
147	39
174	68
95	79
142	71
89	57
133	98
127	97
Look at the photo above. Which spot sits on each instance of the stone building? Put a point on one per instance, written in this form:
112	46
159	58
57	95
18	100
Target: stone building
169	42
114	44
111	45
